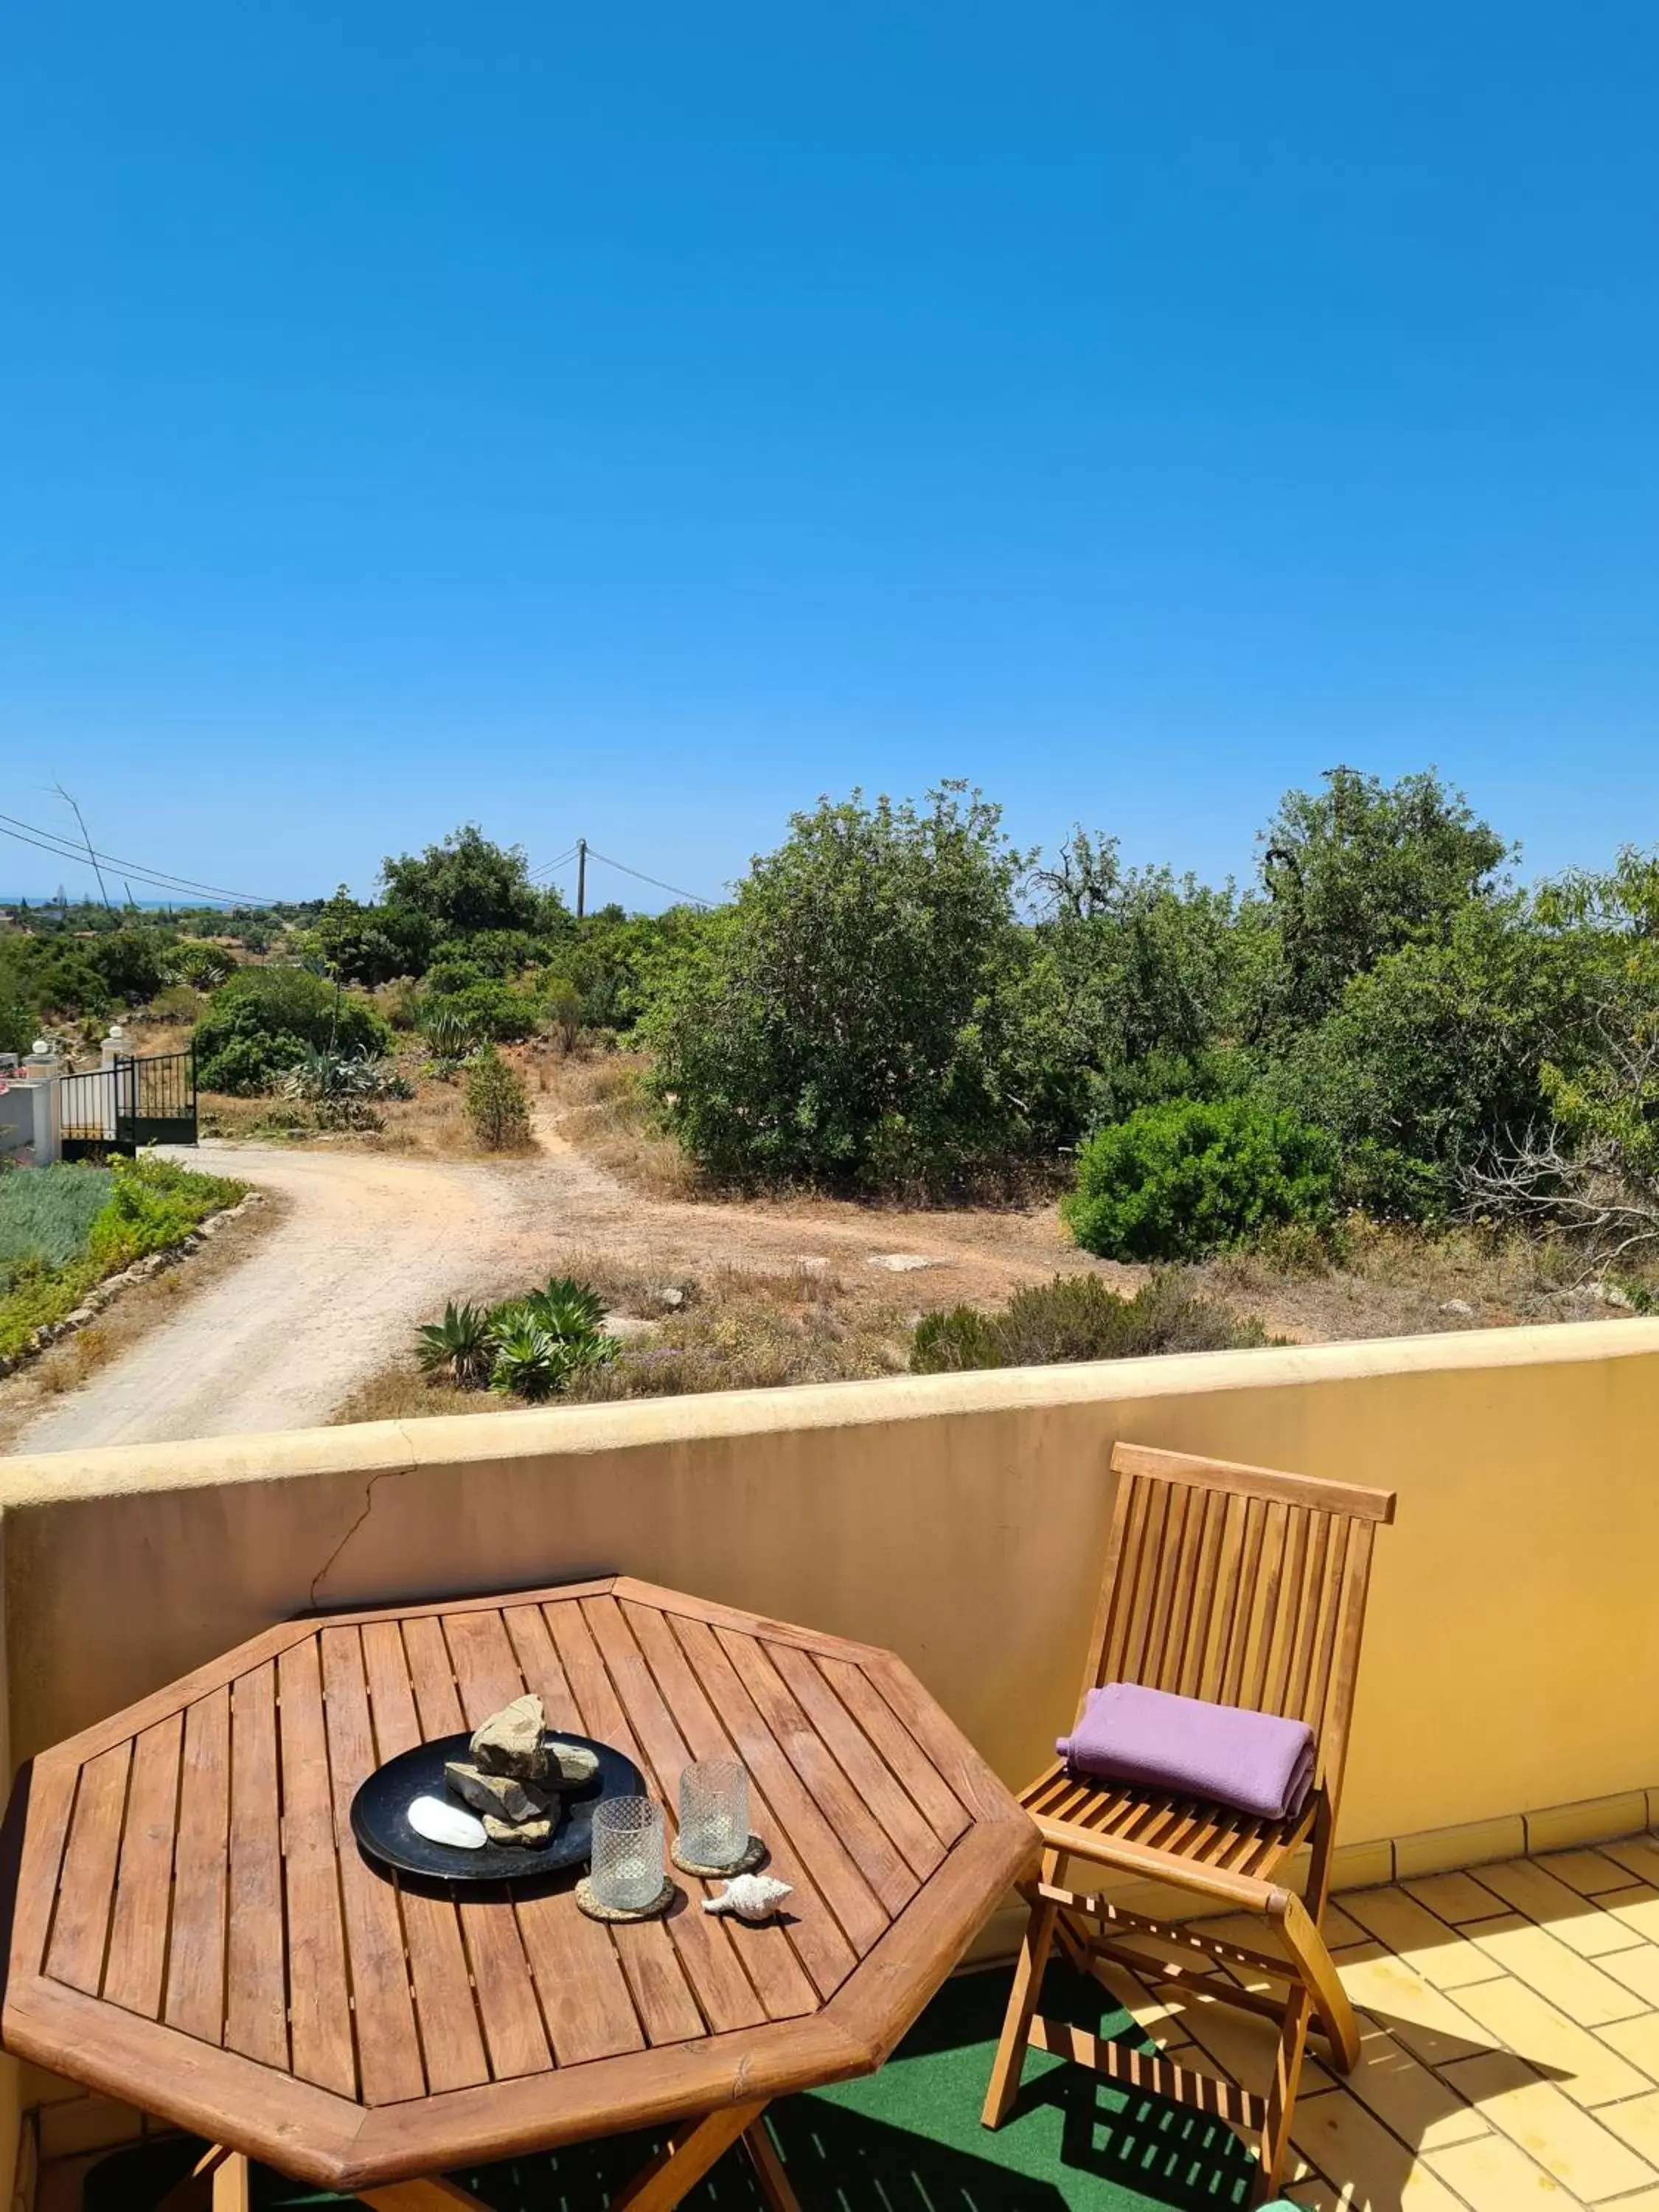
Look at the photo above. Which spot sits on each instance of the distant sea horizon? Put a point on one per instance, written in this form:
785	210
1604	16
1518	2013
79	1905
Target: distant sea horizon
142	906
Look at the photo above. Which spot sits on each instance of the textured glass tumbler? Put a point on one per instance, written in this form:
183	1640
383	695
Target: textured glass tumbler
627	1871
713	1813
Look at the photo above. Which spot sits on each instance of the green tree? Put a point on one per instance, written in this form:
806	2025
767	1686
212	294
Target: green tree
1438	1050
466	885
17	1024
373	945
1363	868
260	1023
848	1019
612	959
133	962
1610	1101
1139	988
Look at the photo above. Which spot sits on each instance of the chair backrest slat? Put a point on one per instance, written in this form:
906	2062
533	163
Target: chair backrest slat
1252	1529
1239	1584
1197	1643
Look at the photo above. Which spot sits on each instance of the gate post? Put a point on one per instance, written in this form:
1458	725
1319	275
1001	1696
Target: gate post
43	1075
116	1049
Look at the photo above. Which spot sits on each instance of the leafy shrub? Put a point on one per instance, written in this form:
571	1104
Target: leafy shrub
1181	1181
504	952
488	1011
1078	1317
248	1067
497	1106
133	964
563	1003
260	1022
399	1002
178	1002
18	1023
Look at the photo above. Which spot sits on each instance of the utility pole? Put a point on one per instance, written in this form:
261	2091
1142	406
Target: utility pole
581	877
87	842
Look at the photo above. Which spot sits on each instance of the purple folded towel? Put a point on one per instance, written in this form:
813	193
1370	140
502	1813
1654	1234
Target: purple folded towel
1254	1762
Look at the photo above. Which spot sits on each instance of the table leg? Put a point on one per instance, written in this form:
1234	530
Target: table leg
193	2193
231	2184
769	2168
675	2172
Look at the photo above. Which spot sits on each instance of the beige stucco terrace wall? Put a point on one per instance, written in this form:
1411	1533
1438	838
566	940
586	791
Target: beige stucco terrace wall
1513	1655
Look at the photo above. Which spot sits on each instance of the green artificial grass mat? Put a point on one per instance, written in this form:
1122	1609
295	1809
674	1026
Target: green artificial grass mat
907	2139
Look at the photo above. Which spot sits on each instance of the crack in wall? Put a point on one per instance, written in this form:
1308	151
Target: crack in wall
379	1476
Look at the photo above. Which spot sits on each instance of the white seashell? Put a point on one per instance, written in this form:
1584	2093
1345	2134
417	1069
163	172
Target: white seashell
441	1822
750	1896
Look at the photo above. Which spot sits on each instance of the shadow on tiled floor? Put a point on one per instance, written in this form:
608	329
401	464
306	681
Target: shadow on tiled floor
1511	2057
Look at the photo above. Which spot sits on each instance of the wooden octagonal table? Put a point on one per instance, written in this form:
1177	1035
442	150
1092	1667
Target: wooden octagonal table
195	1931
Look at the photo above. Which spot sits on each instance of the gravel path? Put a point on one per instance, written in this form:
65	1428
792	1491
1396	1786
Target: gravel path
371	1243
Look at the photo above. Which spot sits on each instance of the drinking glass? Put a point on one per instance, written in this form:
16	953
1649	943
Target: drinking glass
713	1813
627	1871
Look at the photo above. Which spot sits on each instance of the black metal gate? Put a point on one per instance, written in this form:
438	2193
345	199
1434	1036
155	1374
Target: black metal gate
130	1102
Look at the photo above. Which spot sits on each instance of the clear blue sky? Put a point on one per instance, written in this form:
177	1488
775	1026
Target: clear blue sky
636	421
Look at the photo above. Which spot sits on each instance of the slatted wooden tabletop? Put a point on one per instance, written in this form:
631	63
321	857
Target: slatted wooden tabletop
195	1930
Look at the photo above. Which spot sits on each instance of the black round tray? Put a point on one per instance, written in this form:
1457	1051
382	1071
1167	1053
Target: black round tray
384	1834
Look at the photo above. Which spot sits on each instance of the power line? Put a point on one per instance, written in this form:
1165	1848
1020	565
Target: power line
656	882
50	841
551	867
29	832
183	893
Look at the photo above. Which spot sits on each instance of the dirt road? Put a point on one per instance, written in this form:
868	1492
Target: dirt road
371	1243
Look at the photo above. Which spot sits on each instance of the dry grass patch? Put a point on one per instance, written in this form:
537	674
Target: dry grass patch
600	1104
739	1329
432	1125
744	1330
1384	1279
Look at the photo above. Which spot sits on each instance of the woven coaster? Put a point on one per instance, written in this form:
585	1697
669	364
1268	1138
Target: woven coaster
754	1855
587	1902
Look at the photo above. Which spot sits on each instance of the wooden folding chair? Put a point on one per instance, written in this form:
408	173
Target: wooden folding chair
1246	1587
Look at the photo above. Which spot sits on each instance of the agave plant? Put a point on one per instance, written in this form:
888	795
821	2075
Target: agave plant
451	1035
462	1344
528	1362
204	967
566	1309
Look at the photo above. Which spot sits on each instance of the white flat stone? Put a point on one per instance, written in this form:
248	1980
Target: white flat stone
441	1822
899	1263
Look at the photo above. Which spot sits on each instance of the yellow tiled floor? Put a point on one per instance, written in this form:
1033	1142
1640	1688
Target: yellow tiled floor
1510	2018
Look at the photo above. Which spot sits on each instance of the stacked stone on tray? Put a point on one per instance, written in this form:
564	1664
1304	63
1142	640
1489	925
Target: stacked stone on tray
514	1777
